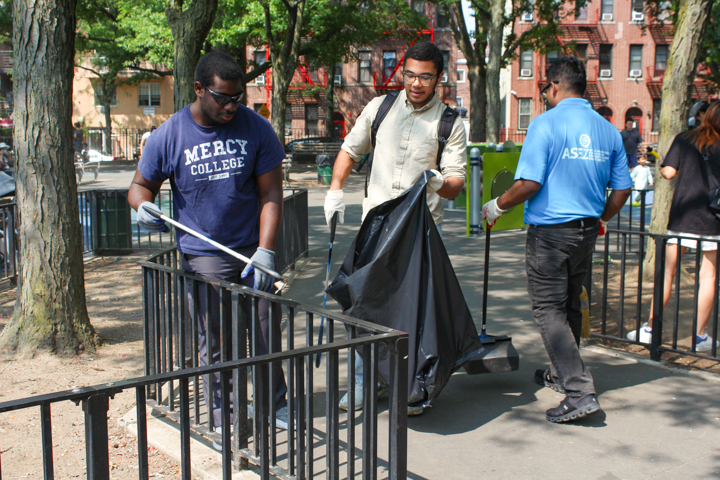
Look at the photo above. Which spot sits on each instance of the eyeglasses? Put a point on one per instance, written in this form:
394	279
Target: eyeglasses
542	92
222	99
425	80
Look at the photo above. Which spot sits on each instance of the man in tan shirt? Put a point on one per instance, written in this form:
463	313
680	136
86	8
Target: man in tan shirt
406	146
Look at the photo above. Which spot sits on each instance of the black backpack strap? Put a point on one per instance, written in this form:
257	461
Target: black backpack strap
382	112
445	126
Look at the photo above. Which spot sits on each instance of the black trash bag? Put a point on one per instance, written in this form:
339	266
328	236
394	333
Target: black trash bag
397	273
325	160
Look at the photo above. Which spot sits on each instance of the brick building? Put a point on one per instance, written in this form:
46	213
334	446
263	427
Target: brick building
376	72
625	54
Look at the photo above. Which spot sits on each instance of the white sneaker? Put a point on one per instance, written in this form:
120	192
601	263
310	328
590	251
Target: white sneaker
358	397
704	343
645	334
415	410
281	415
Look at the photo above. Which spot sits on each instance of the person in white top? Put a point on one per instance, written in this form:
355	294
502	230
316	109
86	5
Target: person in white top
642	177
144	139
406	146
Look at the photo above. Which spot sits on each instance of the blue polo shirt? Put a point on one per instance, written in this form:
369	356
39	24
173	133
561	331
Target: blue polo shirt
569	151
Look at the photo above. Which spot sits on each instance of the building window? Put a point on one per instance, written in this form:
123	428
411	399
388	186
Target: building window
288	120
442	19
259	58
459	101
606	113
606	60
657	103
460	75
636	61
526	63
257	106
661	56
337	74
311	119
446	66
364	66
389	62
418	6
149	95
581	52
638	7
606	10
524	113
98	94
581	14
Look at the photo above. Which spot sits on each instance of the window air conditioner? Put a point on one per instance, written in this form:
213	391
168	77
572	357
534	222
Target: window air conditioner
444	78
606	73
526	72
607	17
636	73
260	80
527	17
638	16
338	80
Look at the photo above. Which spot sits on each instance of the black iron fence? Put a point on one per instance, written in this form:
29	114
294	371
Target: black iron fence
318	437
124	142
8	242
625	294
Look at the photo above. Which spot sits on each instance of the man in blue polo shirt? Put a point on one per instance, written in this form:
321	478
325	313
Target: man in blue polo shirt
570	156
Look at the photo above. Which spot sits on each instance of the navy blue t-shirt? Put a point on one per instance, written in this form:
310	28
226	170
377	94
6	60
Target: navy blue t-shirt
212	172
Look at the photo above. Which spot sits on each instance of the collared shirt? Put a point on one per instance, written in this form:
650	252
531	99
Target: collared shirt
569	151
406	146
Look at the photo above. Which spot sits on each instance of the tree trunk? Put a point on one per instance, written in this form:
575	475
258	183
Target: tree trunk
693	16
495	41
107	106
329	102
190	27
50	311
478	103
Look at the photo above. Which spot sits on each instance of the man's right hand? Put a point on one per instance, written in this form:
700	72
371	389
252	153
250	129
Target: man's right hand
149	222
334	203
491	212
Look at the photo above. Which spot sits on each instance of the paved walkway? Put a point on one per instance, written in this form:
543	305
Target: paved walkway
656	422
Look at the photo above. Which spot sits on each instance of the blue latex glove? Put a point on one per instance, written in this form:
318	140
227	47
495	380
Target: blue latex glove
264	258
147	221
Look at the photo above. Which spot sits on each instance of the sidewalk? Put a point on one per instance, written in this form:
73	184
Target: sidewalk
656	422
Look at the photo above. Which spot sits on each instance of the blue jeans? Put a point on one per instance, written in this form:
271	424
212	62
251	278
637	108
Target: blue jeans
556	261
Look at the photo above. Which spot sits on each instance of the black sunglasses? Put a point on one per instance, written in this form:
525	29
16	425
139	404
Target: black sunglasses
222	99
542	92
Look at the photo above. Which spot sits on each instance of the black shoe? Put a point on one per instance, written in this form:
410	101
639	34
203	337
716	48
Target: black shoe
572	408
544	379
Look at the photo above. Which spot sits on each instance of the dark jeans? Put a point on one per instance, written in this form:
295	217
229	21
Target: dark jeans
632	160
229	268
557	260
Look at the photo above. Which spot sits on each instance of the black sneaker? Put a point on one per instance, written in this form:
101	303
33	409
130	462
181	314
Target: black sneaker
572	408
544	379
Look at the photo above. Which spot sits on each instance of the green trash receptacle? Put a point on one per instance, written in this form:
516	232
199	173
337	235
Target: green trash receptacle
111	222
325	174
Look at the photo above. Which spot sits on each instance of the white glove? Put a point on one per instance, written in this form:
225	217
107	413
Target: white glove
492	212
334	203
435	182
149	222
603	227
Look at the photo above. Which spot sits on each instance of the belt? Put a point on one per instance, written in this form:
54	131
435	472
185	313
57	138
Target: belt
581	223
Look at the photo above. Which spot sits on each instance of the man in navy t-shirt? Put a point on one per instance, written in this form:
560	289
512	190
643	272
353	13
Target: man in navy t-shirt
224	163
570	156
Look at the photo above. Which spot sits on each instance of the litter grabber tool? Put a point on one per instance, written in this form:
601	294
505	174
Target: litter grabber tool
499	354
333	225
215	244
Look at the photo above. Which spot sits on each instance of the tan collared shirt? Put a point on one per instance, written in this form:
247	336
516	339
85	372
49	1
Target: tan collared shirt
406	146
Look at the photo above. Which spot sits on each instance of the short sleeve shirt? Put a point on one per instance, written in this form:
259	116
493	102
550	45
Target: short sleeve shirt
212	172
631	140
574	154
690	211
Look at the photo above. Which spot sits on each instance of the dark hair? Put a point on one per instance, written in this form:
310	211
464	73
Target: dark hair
423	52
217	63
152	129
707	136
569	73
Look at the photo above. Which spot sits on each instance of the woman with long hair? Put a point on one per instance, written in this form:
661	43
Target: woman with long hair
690	216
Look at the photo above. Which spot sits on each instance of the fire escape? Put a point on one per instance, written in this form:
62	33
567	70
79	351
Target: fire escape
391	82
304	78
593	35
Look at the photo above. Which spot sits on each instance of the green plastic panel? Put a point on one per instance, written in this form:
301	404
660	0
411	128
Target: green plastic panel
498	176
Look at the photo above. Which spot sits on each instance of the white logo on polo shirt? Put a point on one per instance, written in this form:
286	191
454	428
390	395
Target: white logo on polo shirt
585	140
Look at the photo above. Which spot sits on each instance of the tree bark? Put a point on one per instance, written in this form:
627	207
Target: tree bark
284	58
107	106
692	20
495	42
190	26
329	102
50	311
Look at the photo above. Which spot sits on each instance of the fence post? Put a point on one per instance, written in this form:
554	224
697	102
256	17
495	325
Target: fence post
398	409
658	288
96	437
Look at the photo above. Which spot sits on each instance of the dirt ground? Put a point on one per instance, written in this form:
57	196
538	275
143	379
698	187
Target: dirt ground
113	287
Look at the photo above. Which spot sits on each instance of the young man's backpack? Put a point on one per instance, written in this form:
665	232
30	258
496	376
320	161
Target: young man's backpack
445	126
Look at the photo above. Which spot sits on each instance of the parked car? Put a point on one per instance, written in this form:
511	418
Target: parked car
289	145
95	156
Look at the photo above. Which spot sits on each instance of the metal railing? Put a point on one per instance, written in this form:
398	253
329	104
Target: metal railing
293	239
627	291
8	242
171	340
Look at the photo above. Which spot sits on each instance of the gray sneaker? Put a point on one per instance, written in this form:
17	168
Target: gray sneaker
358	397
